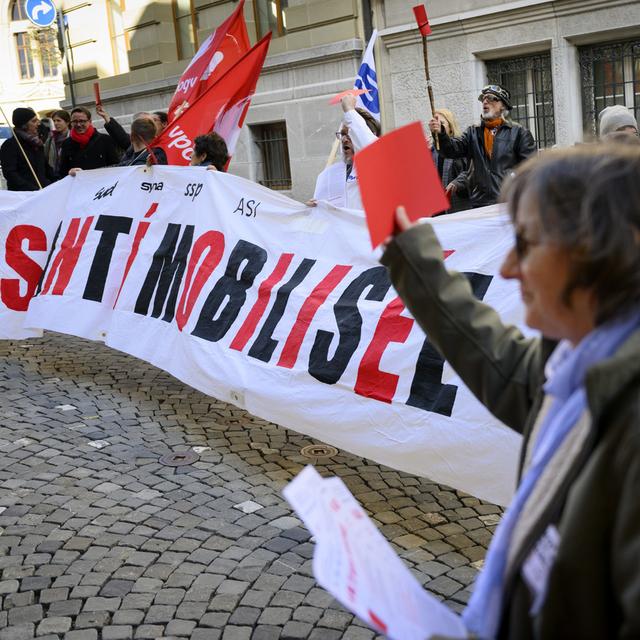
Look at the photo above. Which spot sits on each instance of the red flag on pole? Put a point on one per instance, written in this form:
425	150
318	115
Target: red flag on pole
218	53
221	108
420	12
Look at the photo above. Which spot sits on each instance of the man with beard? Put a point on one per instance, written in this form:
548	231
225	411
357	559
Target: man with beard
494	147
15	166
337	184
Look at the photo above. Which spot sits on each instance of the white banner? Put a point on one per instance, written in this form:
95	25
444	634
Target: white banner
257	300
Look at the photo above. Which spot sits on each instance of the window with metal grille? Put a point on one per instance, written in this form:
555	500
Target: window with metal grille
529	80
25	56
273	168
610	74
270	15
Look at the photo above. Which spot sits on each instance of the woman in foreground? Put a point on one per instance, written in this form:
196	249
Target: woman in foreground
565	560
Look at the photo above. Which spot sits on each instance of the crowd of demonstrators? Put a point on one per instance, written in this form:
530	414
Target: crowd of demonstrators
86	148
22	156
210	151
53	145
563	561
453	172
337	184
493	148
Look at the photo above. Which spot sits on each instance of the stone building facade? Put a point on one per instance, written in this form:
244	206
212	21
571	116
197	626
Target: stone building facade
563	60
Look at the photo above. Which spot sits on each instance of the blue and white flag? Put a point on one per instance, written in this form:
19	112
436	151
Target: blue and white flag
367	79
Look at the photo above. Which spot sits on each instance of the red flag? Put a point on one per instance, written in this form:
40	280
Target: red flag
420	12
223	103
218	53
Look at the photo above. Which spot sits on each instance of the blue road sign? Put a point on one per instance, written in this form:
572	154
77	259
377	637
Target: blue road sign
41	12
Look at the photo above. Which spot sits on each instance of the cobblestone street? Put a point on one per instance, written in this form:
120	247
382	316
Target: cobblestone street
102	536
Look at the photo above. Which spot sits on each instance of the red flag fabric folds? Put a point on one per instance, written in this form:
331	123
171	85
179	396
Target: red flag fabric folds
220	108
218	53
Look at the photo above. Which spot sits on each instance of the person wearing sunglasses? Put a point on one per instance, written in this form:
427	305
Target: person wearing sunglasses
494	147
564	561
85	148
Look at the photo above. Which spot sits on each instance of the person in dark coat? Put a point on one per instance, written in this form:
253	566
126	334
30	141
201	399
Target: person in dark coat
53	144
494	147
210	151
143	131
15	167
85	148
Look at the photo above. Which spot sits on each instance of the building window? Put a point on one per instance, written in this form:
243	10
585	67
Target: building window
25	55
37	53
270	15
186	22
118	35
273	170
529	80
610	74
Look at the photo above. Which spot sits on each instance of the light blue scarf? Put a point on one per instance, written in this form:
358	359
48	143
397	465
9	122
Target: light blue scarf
566	371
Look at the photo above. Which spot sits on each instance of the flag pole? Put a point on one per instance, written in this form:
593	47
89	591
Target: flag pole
35	177
420	13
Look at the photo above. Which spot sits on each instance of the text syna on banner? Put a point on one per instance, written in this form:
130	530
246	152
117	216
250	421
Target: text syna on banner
255	299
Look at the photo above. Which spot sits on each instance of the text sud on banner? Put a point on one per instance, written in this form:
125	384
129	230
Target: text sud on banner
255	299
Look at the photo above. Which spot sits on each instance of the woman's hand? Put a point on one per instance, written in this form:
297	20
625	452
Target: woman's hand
402	223
311	203
74	172
211	168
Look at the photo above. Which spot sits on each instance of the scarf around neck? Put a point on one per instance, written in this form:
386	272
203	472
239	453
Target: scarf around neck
566	372
83	138
490	128
26	138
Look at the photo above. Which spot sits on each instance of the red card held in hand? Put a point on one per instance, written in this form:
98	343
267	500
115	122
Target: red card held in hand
348	92
398	169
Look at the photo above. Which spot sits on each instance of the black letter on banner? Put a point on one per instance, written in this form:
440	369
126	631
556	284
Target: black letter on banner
110	226
264	345
232	285
46	266
165	269
349	323
427	390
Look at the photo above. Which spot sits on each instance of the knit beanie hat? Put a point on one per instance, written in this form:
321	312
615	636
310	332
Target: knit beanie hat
613	118
21	116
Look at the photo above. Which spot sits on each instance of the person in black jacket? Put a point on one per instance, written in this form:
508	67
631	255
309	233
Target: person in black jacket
494	147
15	167
143	131
85	148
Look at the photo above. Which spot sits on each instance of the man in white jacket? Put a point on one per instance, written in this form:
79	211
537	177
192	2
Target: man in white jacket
338	183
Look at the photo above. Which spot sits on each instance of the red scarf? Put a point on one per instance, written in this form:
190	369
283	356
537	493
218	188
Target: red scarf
83	138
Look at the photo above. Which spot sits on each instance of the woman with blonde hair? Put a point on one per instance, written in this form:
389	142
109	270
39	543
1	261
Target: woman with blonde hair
453	172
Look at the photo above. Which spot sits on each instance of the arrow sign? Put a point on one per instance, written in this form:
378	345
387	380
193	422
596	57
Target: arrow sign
41	12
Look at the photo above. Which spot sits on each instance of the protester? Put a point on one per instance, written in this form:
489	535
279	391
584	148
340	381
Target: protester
114	129
161	119
53	145
210	151
616	118
337	184
85	148
143	131
494	147
17	169
452	172
563	561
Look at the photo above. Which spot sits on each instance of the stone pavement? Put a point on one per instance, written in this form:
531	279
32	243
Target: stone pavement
101	540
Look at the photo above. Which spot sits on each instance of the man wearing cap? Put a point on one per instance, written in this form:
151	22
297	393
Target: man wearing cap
494	147
22	155
616	120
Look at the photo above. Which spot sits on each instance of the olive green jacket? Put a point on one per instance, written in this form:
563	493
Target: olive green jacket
590	492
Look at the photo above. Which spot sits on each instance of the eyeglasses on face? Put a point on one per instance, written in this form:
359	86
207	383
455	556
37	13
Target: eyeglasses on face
490	98
79	121
342	134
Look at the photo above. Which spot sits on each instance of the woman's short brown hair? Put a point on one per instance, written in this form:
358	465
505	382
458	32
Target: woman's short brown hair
588	199
63	115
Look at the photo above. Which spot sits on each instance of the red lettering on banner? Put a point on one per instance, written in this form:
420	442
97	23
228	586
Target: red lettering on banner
447	252
307	312
22	264
141	232
67	258
211	242
377	622
392	327
257	311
